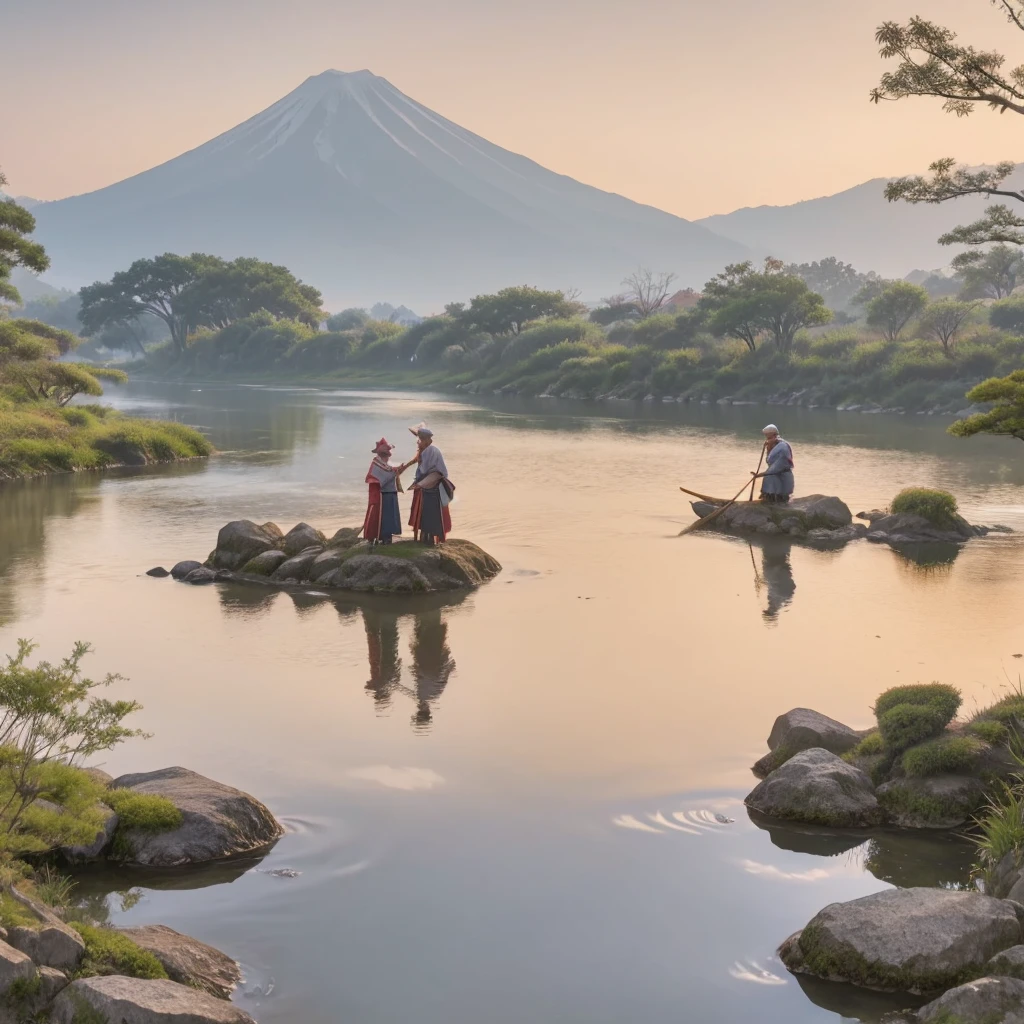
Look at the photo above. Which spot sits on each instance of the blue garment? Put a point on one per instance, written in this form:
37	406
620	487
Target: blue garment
778	477
390	520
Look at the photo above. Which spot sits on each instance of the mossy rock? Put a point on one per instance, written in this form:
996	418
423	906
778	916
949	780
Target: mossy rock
939	802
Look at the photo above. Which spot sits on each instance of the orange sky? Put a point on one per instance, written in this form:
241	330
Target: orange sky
693	107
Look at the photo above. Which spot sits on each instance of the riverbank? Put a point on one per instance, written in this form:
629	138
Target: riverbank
37	439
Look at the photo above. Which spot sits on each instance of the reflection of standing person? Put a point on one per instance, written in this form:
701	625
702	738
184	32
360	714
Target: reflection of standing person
777	481
432	491
778	575
382	644
432	662
382	520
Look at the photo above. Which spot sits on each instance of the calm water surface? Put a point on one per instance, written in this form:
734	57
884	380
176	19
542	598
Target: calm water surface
524	804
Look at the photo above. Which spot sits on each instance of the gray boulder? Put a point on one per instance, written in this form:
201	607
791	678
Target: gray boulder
301	537
15	967
1007	964
985	1001
802	728
936	801
296	568
904	940
49	942
265	563
158	571
346	537
822	511
240	541
378	572
187	960
182	569
218	821
798	518
120	1000
817	787
904	528
202	575
327	561
99	775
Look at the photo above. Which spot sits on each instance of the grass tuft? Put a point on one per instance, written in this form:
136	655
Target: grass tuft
111	952
938	507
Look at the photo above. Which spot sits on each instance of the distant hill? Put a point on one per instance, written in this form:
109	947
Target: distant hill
362	191
857	226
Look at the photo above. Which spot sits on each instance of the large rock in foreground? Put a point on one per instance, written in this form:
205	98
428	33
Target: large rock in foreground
905	940
187	960
218	821
803	729
248	553
120	1000
818	788
985	1001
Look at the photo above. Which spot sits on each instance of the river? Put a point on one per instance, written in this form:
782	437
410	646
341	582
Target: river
525	804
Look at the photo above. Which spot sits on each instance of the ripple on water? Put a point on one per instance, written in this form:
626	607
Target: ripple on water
695	822
752	971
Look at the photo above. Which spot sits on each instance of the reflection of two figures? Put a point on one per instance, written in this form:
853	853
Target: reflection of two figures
775	576
432	662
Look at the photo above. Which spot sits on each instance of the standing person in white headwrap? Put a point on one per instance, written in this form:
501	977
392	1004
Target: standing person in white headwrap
432	491
777	481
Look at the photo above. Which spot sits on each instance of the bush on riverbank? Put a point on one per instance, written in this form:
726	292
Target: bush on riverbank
38	438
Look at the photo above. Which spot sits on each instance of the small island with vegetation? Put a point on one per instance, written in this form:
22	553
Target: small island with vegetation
60	960
264	555
960	952
40	431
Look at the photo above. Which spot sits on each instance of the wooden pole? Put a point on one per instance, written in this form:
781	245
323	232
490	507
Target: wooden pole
759	462
713	515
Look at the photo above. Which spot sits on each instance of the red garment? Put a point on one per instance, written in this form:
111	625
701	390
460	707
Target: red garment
417	510
371	522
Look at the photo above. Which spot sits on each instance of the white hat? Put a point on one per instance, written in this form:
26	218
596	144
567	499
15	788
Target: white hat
770	429
421	431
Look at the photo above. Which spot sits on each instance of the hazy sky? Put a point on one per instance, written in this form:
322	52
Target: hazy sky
696	107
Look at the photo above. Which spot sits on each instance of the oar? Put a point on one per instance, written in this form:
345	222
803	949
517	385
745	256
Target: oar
714	515
759	461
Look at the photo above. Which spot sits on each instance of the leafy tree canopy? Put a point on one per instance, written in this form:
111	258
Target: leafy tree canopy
943	321
16	250
507	311
836	282
188	292
347	319
989	275
746	304
895	307
1005	418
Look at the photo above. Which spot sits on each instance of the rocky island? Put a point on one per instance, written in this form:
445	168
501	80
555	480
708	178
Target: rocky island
915	516
264	555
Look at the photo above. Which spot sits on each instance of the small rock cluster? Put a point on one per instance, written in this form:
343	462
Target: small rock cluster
38	963
825	519
250	553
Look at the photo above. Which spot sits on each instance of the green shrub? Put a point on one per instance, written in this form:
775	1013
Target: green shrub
1007	711
110	952
947	755
869	746
1001	827
147	812
938	507
940	695
906	725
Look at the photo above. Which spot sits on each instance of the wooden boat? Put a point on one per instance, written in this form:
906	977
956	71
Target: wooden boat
709	499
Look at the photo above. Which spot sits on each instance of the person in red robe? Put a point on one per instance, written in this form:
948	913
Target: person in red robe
382	520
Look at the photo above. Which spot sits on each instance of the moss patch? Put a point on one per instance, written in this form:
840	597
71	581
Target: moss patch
14	914
110	952
870	745
946	755
139	812
993	733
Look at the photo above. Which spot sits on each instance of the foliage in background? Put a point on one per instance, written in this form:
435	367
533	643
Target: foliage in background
16	250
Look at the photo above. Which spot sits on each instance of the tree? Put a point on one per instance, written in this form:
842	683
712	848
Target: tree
347	319
898	304
988	275
615	309
1008	315
187	292
836	282
933	63
1006	418
744	303
943	321
51	718
507	311
15	249
30	364
647	290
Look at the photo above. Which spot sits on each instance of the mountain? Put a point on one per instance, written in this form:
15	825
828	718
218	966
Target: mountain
857	226
366	193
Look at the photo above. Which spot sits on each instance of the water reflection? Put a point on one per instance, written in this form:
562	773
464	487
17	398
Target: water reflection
775	577
937	559
432	662
852	1003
